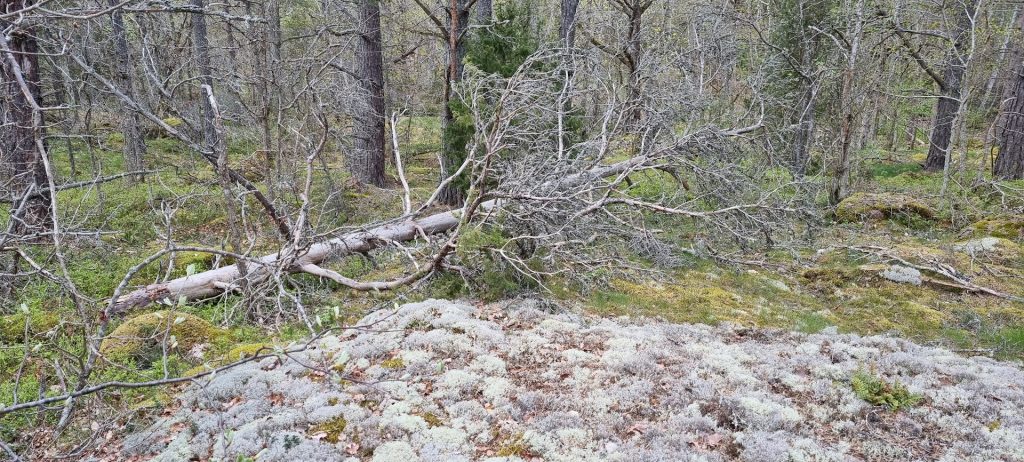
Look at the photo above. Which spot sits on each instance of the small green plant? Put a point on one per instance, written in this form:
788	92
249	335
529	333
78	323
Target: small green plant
875	390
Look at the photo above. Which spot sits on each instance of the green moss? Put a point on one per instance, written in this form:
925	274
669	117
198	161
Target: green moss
332	429
247	350
878	392
513	446
860	206
1006	227
141	338
393	363
431	419
889	170
12	327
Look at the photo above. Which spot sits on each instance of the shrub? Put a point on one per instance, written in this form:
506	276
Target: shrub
878	392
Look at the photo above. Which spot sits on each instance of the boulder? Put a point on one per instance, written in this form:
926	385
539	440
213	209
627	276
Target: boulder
141	338
862	206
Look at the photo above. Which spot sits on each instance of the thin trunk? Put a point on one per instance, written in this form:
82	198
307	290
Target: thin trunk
200	39
458	18
841	177
1009	163
24	133
134	143
366	163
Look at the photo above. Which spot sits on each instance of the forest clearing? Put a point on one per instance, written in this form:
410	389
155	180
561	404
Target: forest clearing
538	230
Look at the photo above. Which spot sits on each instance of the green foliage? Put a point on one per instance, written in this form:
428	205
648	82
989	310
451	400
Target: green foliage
889	170
504	46
495	279
332	429
875	390
499	49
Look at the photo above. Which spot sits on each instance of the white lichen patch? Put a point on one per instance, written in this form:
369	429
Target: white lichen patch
442	381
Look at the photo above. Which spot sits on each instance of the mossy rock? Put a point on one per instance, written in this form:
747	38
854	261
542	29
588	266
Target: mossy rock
861	206
1006	227
141	338
12	327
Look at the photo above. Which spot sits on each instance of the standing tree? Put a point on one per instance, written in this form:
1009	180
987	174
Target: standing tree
950	82
484	11
1009	163
567	26
22	138
847	99
134	144
453	139
366	163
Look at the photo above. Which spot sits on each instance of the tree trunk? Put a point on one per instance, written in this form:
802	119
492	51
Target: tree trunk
202	45
567	27
134	143
452	156
841	176
948	106
366	163
213	282
23	134
1009	163
484	11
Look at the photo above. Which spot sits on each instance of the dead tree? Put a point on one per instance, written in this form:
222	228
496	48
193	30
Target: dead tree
1009	163
22	127
366	162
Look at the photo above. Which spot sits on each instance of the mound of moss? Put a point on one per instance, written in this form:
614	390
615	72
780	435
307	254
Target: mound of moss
12	327
861	206
142	338
1006	227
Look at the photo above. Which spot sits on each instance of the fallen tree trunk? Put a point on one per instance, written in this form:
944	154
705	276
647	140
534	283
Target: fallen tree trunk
210	283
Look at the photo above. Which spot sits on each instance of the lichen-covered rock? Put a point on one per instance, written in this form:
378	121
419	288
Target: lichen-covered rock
511	382
862	206
143	337
989	246
902	274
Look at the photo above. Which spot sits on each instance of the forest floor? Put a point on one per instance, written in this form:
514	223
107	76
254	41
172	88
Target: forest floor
842	278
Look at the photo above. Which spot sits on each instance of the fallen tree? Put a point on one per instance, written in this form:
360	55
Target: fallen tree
214	282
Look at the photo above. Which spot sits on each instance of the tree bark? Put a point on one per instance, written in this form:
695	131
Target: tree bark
134	143
947	108
366	163
484	11
23	131
201	41
567	27
1009	163
458	21
841	175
